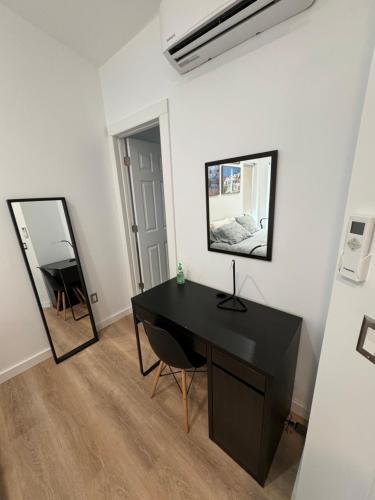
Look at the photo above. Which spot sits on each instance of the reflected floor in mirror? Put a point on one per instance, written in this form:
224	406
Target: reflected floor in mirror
68	333
87	429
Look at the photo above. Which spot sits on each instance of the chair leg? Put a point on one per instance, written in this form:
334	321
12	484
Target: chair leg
157	376
58	302
185	401
64	305
81	294
77	295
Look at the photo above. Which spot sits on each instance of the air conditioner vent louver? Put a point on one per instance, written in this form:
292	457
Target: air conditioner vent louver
188	60
212	24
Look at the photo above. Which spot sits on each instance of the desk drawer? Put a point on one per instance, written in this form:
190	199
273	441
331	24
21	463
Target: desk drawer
238	369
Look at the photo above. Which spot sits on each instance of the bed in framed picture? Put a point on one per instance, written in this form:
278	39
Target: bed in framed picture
240	201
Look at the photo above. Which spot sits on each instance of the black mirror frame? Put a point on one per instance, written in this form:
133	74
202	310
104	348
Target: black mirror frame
366	324
271	213
68	221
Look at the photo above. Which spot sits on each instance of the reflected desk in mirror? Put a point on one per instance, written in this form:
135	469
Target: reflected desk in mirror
47	241
240	201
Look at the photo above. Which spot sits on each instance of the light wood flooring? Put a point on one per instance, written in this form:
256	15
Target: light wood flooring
68	334
87	429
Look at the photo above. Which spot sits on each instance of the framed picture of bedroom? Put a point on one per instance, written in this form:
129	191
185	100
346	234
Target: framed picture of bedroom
240	214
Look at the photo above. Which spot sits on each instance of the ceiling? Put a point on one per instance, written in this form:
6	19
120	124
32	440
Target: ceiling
96	29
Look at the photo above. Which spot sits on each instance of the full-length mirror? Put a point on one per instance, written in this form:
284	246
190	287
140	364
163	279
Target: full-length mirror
47	242
240	200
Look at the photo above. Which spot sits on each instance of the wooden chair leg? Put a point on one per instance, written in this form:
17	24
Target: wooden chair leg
77	295
58	302
81	294
157	376
64	305
185	401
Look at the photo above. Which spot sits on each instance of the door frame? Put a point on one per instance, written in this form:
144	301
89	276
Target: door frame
146	118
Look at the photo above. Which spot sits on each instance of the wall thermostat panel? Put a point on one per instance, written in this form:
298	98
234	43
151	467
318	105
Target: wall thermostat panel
355	257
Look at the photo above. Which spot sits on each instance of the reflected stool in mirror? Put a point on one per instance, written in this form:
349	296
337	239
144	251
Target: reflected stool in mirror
57	287
79	294
172	354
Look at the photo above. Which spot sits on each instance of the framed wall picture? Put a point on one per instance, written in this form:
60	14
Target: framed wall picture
213	178
230	179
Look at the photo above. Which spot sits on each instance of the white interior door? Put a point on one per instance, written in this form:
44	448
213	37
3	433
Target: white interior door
147	184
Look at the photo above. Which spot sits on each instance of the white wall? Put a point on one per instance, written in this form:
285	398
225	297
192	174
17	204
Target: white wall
225	205
52	143
46	230
298	88
339	458
31	255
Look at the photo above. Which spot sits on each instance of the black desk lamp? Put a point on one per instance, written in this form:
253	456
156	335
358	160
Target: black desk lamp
66	241
69	243
233	303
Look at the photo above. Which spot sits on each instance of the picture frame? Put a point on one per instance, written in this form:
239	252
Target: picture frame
366	340
213	174
230	179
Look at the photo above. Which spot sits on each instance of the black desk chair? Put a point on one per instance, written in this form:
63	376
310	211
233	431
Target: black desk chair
58	287
171	353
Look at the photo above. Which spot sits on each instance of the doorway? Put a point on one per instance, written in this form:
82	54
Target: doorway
144	190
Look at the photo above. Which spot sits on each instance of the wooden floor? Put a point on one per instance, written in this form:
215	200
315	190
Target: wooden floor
87	429
68	334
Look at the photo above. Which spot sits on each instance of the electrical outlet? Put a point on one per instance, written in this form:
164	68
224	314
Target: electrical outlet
94	298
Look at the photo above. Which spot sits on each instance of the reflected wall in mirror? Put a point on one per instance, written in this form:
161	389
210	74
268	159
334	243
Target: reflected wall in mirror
47	242
240	201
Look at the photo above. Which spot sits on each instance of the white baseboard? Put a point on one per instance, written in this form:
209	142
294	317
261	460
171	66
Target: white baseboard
24	365
47	353
114	317
300	409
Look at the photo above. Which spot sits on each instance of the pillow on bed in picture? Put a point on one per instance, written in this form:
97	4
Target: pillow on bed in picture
217	223
231	233
212	235
221	222
248	222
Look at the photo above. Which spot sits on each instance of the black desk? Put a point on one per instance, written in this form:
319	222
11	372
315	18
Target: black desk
66	267
251	359
67	270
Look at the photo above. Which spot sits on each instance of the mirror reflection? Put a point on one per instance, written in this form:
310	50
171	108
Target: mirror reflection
240	203
45	235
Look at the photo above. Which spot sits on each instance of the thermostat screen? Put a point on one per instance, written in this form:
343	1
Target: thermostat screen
358	228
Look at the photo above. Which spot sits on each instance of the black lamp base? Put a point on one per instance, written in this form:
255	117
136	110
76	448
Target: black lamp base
233	303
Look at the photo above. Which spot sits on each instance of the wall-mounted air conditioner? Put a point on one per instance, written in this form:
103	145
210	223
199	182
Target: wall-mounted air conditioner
195	31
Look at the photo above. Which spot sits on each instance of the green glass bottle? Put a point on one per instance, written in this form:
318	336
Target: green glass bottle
180	274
